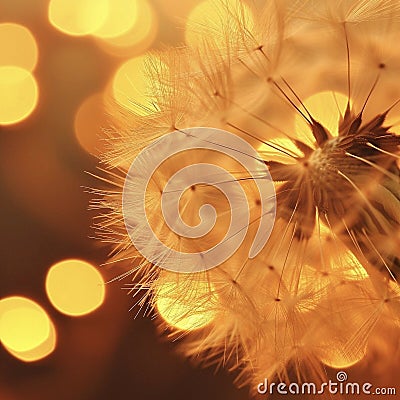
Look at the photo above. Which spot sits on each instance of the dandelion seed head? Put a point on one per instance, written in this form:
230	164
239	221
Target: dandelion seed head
311	85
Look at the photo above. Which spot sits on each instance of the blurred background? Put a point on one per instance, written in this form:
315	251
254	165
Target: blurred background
66	335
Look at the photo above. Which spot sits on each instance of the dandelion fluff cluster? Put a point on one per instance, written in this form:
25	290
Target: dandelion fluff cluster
313	85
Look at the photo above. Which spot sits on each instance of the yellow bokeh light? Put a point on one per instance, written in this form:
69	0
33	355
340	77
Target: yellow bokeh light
138	38
75	287
39	352
25	329
326	108
121	17
18	46
18	94
90	120
78	17
132	87
216	21
186	304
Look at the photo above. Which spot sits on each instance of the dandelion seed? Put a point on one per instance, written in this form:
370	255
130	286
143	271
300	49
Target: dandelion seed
301	85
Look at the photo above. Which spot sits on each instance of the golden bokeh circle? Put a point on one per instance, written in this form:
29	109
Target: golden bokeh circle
18	46
75	287
39	352
90	120
78	17
122	16
137	39
18	94
132	88
326	108
26	331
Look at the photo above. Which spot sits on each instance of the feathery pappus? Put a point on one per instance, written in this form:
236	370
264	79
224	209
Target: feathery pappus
313	86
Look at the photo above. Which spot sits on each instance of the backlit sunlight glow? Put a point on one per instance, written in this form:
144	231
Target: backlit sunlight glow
75	287
186	305
131	87
326	108
78	17
340	344
18	94
26	330
357	272
348	262
396	128
122	16
271	154
340	359
18	46
335	351
394	122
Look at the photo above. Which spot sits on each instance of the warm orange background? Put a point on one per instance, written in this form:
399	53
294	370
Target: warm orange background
44	219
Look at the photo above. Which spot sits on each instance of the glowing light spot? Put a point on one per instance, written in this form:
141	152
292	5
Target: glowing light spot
326	108
78	17
39	352
313	288
323	230
396	129
186	304
90	120
75	287
287	145
342	263
341	333
394	122
121	17
18	94
26	330
217	22
354	271
138	38
340	357
133	89
18	46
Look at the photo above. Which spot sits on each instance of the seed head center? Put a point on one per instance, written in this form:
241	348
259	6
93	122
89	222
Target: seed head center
322	164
